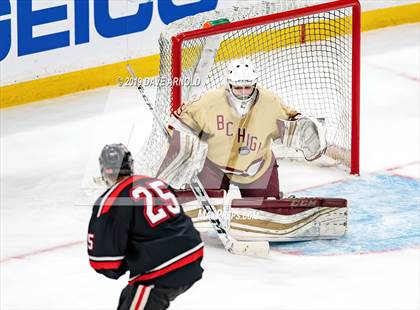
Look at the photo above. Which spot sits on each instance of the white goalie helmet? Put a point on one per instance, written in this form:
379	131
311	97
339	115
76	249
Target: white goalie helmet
241	85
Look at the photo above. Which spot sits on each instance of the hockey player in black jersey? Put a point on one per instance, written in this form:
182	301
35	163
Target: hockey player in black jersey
137	225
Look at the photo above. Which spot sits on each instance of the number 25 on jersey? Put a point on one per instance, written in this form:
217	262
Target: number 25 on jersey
166	208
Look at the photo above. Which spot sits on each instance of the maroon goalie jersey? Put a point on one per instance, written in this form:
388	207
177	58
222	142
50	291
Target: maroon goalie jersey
138	225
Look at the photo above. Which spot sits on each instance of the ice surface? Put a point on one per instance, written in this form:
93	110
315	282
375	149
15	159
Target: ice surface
49	150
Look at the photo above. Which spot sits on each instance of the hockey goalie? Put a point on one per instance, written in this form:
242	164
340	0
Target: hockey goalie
224	137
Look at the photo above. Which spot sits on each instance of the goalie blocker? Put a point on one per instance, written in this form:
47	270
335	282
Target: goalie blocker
291	219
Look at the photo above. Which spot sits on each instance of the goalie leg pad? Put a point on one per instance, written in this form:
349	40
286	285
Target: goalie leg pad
288	219
193	209
280	220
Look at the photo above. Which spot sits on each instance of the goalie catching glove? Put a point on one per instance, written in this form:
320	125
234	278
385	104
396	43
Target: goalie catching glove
306	134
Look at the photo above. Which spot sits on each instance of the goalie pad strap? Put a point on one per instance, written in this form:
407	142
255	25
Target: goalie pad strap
288	206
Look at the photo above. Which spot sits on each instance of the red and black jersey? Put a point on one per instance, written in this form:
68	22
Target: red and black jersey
138	225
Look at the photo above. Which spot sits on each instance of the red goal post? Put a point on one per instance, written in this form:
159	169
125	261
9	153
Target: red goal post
309	55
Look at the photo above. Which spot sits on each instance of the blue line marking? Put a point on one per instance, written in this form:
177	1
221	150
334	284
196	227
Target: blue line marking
384	214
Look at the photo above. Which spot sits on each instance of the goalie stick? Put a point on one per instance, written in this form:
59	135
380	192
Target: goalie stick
251	248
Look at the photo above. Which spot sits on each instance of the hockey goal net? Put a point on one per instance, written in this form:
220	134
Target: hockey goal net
308	54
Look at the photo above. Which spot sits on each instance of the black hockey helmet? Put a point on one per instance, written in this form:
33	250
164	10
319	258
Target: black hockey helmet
115	161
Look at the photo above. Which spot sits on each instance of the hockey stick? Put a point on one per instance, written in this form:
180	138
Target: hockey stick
251	248
147	101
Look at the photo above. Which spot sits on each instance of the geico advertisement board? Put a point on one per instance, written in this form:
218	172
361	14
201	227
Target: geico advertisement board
39	38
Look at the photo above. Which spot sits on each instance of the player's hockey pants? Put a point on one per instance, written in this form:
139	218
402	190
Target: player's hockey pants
140	297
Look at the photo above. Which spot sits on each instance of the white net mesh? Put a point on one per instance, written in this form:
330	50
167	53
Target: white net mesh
306	60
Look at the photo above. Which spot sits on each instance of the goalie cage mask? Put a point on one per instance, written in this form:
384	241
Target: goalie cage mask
241	74
115	161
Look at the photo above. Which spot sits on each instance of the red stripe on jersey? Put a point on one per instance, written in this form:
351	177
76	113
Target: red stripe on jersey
114	194
143	290
105	265
181	263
